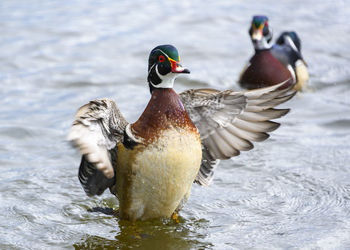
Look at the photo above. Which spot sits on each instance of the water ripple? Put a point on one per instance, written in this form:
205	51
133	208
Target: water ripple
291	191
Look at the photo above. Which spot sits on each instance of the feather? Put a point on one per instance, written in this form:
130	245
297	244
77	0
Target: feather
229	121
96	132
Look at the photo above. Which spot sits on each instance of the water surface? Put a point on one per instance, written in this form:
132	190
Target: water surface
291	191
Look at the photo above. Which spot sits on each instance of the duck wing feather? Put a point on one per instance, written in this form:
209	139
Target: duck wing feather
98	128
229	121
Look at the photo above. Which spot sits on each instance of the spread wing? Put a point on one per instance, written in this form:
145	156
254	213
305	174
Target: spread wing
229	121
98	128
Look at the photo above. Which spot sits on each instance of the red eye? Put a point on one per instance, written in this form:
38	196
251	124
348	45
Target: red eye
161	58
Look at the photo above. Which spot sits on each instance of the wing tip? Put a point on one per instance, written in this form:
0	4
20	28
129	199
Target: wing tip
274	126
93	181
283	112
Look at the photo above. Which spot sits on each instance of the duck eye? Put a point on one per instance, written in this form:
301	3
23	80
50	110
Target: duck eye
161	58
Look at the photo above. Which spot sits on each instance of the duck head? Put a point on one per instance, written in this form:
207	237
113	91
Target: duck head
163	67
290	38
260	33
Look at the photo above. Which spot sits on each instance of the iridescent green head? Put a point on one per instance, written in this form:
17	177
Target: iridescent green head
260	32
164	66
259	21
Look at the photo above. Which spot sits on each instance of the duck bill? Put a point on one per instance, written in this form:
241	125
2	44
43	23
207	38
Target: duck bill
257	34
177	68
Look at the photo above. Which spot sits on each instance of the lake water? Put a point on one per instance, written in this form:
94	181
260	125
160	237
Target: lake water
290	192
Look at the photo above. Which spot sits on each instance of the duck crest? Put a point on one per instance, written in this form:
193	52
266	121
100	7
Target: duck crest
164	111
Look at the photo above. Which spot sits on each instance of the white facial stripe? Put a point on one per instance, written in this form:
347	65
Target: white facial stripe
262	44
151	68
290	42
164	53
149	72
155	63
167	80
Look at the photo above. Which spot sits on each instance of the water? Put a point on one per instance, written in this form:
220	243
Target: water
291	191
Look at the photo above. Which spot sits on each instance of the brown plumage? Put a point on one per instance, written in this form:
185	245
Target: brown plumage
163	111
264	70
150	165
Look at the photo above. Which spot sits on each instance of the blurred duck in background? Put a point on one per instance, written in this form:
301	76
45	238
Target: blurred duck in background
271	65
287	50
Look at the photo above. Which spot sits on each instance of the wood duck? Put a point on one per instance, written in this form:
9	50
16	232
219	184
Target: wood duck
272	64
150	165
287	50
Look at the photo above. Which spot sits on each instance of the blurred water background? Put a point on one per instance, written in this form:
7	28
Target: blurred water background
291	191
